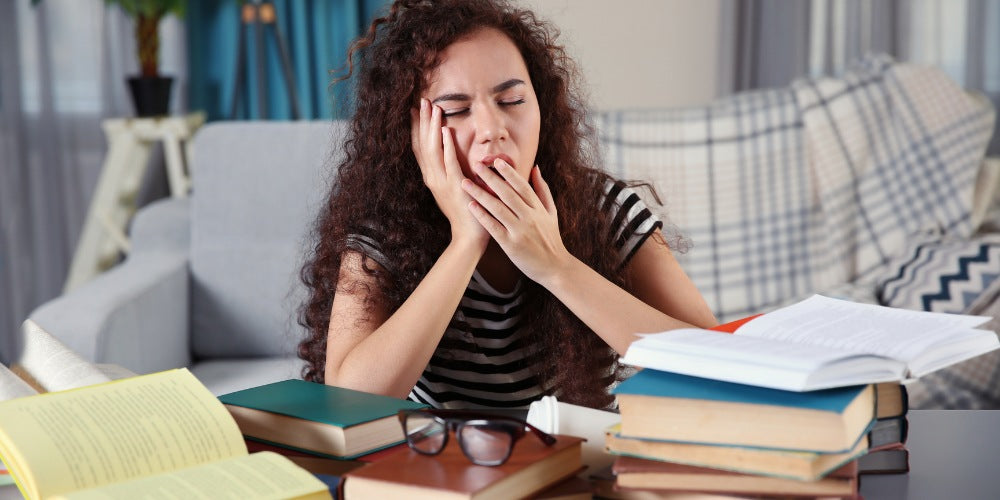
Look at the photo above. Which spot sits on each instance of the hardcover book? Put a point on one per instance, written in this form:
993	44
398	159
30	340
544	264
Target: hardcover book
138	436
801	465
673	407
891	400
318	418
531	468
636	473
819	343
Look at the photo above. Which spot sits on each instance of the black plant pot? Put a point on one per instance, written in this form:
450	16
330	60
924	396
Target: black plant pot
151	95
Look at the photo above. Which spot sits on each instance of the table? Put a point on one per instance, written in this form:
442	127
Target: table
953	455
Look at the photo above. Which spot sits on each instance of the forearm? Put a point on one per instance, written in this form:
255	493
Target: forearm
610	311
392	357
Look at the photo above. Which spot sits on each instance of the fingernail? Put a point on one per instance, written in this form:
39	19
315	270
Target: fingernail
423	103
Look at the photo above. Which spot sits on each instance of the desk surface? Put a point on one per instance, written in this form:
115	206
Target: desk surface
954	454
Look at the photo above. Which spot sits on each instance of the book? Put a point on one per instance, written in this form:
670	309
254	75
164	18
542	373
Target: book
888	432
891	400
131	437
318	418
673	407
801	465
531	468
885	461
819	343
636	473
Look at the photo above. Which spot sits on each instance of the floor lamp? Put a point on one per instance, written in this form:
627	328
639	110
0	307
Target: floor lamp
260	16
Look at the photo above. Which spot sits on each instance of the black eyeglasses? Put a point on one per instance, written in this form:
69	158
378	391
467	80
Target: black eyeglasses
485	439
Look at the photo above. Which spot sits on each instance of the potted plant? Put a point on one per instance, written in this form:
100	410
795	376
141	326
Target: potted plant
150	90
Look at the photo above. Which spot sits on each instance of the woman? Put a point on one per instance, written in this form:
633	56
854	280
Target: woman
470	254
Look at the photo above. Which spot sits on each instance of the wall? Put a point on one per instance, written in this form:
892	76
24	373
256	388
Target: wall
638	53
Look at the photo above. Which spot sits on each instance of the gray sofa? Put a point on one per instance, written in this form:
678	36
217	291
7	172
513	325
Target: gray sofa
212	280
814	188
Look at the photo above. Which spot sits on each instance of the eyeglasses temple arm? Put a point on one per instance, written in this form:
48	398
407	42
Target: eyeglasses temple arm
546	438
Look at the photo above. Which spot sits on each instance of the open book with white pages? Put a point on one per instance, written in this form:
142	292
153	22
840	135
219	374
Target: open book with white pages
819	343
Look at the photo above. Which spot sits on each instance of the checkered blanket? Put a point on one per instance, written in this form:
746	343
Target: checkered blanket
792	191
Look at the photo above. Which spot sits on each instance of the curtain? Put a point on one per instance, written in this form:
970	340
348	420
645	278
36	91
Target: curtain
316	33
62	70
768	43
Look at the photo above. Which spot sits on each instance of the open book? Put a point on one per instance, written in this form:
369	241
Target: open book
121	439
819	343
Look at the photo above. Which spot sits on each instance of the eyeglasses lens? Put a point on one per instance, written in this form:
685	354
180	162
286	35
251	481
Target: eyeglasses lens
425	433
485	443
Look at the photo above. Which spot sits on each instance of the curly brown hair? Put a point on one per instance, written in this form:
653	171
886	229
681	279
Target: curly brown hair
378	180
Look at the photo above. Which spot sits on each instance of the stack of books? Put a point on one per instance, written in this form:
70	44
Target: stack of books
782	404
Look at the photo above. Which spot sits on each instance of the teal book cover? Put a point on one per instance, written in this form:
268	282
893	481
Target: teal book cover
649	382
318	402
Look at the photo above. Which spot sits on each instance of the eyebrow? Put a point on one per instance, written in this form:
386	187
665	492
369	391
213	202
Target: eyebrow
513	82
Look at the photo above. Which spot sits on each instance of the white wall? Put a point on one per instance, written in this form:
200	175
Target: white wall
639	53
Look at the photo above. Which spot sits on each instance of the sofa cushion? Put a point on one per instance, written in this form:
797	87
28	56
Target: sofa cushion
789	191
257	188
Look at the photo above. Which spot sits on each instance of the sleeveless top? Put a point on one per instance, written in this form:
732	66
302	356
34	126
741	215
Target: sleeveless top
489	365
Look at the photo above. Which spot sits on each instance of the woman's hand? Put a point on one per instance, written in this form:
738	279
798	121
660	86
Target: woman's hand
521	218
434	147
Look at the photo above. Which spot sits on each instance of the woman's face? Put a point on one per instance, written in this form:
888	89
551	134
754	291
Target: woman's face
484	89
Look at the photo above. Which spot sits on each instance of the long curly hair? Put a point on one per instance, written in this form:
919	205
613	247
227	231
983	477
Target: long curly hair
379	180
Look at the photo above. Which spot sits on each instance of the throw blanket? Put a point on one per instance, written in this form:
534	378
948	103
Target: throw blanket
791	191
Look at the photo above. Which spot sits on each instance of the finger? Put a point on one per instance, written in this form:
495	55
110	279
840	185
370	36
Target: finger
451	166
415	131
491	225
542	190
504	191
495	206
516	182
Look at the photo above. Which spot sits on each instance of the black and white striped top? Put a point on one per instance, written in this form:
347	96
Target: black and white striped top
489	366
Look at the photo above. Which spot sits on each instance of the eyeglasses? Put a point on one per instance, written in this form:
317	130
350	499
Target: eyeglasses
485	439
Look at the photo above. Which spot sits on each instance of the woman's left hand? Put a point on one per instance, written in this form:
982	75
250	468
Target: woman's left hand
521	218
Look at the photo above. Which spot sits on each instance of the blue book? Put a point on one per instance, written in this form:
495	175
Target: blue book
673	407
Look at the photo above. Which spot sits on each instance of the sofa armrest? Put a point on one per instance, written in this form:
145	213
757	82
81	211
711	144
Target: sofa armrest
162	226
135	315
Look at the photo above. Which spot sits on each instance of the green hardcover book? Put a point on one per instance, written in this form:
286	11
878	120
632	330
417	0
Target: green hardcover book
318	418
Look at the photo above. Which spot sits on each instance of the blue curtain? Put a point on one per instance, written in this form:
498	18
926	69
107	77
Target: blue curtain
317	34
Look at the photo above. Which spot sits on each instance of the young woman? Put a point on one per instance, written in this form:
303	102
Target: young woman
471	253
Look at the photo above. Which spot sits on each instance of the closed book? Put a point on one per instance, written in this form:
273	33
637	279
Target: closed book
673	407
801	465
888	432
636	473
888	460
531	468
318	418
891	400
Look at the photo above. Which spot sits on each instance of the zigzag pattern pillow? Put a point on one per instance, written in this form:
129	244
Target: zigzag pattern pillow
942	276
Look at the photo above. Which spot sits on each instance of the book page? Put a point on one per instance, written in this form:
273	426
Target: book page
51	365
258	476
12	386
864	328
113	432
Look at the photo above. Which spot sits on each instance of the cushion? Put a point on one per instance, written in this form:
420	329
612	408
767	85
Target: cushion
953	276
257	188
785	192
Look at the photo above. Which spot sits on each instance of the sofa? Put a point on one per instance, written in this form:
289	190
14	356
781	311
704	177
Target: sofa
871	186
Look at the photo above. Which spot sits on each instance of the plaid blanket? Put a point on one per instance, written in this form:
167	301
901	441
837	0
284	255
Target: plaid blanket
787	192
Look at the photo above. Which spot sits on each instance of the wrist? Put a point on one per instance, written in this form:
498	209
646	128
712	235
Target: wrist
560	273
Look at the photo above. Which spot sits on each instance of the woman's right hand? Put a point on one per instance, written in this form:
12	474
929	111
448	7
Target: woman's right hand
434	147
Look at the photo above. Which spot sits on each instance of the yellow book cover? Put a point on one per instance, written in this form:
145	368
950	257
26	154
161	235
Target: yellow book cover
122	438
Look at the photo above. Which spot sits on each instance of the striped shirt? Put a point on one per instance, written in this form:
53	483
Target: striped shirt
489	365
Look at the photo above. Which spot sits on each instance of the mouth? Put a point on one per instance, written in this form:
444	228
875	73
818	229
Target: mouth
488	160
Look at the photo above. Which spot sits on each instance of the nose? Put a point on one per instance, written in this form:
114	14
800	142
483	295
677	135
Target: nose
490	125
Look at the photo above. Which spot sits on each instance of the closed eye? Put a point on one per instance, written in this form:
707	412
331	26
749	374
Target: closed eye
512	103
455	112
